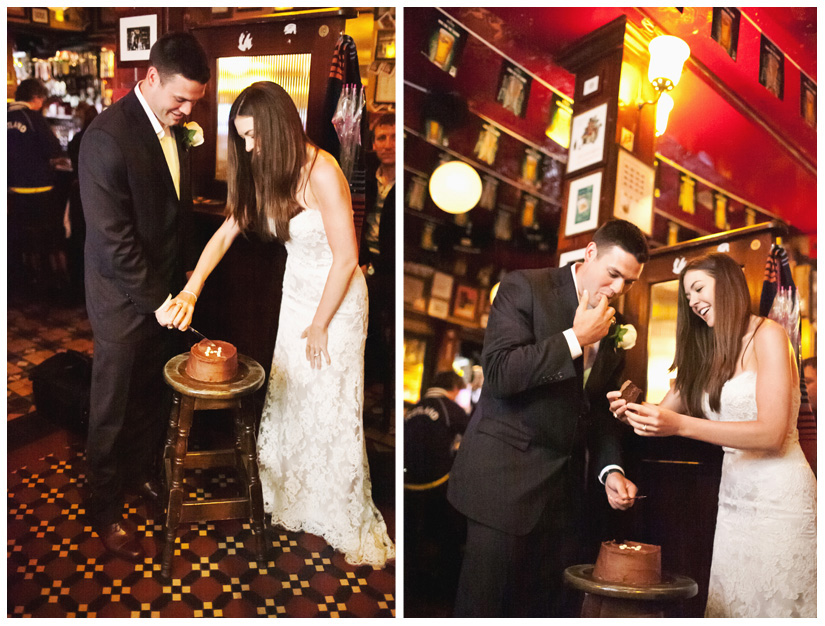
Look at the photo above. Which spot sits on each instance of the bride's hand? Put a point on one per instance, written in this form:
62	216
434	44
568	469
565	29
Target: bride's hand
617	405
186	308
316	345
651	420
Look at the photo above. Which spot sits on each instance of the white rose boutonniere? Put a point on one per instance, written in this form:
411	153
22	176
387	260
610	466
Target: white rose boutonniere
192	134
624	336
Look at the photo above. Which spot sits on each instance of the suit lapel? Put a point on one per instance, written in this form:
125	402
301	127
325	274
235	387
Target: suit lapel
607	360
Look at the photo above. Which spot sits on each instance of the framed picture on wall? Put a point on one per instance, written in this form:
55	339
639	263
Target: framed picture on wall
771	67
40	16
513	88
807	100
137	36
587	138
445	45
725	29
466	302
571	256
635	182
583	204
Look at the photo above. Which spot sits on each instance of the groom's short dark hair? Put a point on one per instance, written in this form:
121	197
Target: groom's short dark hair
180	53
625	235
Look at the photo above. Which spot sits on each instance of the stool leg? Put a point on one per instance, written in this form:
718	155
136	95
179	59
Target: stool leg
175	504
168	449
253	482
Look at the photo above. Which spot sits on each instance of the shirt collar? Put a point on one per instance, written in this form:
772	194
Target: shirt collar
573	267
160	129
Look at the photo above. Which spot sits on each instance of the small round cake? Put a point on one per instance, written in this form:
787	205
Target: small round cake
629	563
212	361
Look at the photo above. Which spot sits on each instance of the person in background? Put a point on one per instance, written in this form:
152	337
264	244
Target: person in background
433	531
34	217
376	256
809	374
134	170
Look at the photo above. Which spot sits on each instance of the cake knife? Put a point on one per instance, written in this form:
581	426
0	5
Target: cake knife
199	334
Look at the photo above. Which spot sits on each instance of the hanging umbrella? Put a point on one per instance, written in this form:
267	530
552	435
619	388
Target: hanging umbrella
347	123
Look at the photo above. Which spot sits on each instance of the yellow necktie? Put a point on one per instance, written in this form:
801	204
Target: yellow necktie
170	151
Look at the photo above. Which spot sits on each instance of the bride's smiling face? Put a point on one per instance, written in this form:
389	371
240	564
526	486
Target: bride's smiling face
246	131
700	289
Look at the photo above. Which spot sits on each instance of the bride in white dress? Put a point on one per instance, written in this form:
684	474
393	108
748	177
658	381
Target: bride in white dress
739	372
311	448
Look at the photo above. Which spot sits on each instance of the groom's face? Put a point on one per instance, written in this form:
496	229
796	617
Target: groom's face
171	98
608	272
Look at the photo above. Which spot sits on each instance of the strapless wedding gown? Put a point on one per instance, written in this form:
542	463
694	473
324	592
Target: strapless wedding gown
764	549
311	449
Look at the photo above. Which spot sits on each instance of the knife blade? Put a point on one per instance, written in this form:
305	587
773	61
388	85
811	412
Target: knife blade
200	334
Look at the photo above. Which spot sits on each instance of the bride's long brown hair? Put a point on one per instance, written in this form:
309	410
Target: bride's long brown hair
706	357
262	185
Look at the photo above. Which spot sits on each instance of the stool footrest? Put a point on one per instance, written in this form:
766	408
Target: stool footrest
230	508
208	459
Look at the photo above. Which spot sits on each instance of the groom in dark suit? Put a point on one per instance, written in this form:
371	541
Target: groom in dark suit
519	475
136	193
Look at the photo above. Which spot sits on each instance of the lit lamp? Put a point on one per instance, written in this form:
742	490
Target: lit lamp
667	58
455	187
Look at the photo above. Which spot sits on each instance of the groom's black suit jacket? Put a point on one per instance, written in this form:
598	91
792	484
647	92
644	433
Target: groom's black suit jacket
138	232
525	447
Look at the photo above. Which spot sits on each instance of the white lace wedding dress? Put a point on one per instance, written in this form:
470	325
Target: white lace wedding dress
311	450
764	550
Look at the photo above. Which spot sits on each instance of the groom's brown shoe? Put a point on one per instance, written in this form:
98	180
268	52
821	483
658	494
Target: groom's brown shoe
120	542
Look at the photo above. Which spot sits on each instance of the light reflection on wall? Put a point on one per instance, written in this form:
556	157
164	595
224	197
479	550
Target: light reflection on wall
661	338
414	352
290	71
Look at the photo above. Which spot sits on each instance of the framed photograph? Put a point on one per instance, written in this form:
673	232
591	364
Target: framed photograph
513	88
385	83
487	144
587	138
221	12
583	204
16	12
771	67
592	86
414	293
385	45
40	16
438	308
807	99
635	183
137	36
724	29
466	302
442	286
571	256
445	45
530	167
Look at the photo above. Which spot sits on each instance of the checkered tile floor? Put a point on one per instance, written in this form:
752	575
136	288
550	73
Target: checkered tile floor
57	567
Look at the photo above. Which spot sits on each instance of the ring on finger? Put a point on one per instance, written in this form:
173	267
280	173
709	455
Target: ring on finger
644	428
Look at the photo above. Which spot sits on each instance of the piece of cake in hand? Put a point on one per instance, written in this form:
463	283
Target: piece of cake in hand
630	392
629	563
212	361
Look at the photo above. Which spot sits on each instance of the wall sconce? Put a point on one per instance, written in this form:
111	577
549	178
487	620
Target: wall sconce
667	58
455	187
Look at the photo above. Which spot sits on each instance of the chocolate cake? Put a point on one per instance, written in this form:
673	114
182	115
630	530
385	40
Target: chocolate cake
629	563
212	361
630	392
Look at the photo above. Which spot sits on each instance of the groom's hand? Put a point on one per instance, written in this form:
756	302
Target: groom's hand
590	325
620	491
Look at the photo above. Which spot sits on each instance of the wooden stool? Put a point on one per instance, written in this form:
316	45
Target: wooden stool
193	395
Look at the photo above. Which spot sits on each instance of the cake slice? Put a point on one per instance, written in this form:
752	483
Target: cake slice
630	392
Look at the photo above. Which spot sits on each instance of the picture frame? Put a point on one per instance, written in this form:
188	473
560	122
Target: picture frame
724	29
591	86
414	297
221	12
438	308
385	45
445	45
19	13
771	67
571	256
385	84
635	183
136	36
40	16
807	100
587	133
442	287
583	202
466	302
513	89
